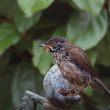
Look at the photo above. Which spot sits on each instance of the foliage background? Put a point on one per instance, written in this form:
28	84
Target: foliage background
26	23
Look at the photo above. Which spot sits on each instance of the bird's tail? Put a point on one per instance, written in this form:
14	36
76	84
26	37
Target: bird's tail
97	83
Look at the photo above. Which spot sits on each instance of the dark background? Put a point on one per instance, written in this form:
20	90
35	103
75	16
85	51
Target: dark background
26	23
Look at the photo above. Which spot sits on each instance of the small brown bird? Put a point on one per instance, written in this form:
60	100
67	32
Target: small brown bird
74	64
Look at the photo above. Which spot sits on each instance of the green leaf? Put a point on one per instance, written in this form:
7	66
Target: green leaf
30	7
7	9
88	90
71	3
40	59
60	31
91	6
109	5
92	54
85	30
104	51
23	23
8	36
6	76
25	78
4	60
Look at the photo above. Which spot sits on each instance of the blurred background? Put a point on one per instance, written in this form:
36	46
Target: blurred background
26	23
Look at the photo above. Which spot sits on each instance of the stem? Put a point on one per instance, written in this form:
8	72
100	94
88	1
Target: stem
30	101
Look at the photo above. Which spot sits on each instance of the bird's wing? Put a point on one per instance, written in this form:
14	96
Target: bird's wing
81	60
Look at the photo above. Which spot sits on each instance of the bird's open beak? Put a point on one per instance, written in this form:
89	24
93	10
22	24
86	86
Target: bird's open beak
42	45
47	47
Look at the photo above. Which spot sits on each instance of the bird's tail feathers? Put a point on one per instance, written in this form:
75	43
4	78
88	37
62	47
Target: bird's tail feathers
97	83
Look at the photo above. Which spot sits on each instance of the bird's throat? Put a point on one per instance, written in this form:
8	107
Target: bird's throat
57	57
60	57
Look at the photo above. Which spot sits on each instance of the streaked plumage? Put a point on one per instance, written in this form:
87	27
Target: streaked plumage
74	64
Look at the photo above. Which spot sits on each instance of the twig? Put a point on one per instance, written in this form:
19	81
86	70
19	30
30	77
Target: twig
30	101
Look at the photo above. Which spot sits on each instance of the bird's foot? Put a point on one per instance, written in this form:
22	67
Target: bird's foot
73	99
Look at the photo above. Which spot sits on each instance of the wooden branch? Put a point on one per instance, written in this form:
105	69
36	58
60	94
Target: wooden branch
30	101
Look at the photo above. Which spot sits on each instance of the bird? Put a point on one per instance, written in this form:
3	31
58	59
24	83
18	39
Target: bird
74	64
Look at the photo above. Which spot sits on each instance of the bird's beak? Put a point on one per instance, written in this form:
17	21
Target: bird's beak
42	45
46	46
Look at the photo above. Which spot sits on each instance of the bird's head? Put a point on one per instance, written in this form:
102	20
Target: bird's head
55	44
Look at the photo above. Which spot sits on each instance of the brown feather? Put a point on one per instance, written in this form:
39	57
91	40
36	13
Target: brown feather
73	74
81	59
74	64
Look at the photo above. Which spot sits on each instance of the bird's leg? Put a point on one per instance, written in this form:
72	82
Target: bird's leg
30	101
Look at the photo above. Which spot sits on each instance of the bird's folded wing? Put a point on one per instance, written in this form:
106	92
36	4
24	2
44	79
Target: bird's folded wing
79	57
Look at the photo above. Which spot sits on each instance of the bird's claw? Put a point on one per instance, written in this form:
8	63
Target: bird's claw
73	99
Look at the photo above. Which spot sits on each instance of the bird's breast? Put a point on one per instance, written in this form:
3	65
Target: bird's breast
73	74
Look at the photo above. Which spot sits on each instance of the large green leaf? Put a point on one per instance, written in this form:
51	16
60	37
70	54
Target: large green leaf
30	7
25	78
89	90
8	36
104	51
71	3
60	31
11	10
23	23
92	6
40	59
4	60
6	76
92	55
85	30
